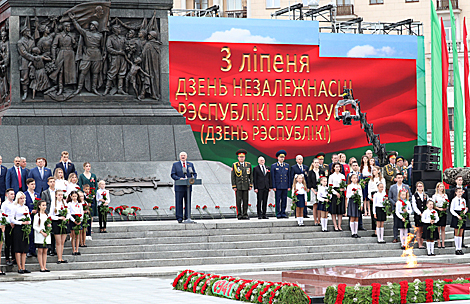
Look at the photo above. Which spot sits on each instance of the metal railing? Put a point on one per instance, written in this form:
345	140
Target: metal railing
236	13
444	4
345	9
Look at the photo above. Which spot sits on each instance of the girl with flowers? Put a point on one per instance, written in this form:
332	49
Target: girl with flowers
429	218
88	178
379	213
354	205
3	223
59	214
337	201
403	211
86	210
313	177
366	171
40	234
458	209
322	196
72	183
20	218
418	201
441	203
102	198
300	189
76	212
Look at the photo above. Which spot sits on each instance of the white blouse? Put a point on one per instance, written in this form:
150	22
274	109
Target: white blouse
439	200
322	195
457	205
373	183
54	212
426	216
399	211
298	186
38	237
71	187
335	179
18	213
378	200
365	172
349	190
74	209
7	208
61	184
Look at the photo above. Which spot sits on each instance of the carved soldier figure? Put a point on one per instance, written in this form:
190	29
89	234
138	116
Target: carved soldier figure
115	46
64	56
92	59
151	65
4	63
25	45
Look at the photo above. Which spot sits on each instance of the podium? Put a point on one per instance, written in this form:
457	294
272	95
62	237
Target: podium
188	182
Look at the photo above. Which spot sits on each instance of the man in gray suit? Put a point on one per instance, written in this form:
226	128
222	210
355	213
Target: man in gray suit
393	197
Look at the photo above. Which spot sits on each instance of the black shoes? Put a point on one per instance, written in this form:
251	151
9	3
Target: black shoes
20	271
265	217
2	273
306	216
356	236
374	235
362	229
459	252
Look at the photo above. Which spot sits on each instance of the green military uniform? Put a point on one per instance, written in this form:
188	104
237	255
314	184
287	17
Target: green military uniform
325	167
389	173
242	180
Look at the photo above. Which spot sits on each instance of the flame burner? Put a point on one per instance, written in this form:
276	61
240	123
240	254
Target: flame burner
411	261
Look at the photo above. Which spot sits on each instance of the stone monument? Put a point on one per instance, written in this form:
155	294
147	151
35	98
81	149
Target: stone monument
91	78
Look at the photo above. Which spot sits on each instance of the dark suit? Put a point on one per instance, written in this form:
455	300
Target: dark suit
41	182
261	182
11	180
46	196
330	168
30	203
312	182
70	169
280	178
181	191
295	169
3	185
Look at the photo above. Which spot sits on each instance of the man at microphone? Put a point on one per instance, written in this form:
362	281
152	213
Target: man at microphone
181	170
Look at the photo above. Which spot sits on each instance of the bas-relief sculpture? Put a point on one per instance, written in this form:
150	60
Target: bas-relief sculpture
60	56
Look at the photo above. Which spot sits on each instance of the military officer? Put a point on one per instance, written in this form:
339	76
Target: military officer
401	168
242	182
321	158
390	170
280	174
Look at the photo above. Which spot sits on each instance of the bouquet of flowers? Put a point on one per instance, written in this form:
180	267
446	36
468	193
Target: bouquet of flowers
36	201
271	206
78	219
295	199
111	210
234	209
462	219
103	210
205	209
155	208
47	228
63	225
217	207
433	217
329	190
128	211
387	206
364	182
357	198
85	223
445	205
26	228
4	222
137	212
405	213
119	211
342	185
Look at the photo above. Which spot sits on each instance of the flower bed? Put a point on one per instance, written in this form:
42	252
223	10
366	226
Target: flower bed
392	293
252	291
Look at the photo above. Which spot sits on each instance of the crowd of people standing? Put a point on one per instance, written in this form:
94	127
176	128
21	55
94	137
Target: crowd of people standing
41	207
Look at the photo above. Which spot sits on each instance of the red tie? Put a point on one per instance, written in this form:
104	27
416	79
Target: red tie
184	165
19	178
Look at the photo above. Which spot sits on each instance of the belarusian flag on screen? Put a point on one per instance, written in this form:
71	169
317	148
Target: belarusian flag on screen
456	292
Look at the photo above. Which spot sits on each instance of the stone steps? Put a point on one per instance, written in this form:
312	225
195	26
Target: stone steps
168	244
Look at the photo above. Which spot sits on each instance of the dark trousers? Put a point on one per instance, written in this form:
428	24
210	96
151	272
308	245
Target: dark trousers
374	222
179	197
305	209
32	247
102	219
242	197
52	249
9	243
281	202
395	226
359	221
262	201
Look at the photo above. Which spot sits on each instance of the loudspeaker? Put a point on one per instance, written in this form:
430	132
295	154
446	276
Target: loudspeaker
421	175
425	166
430	184
427	149
425	157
